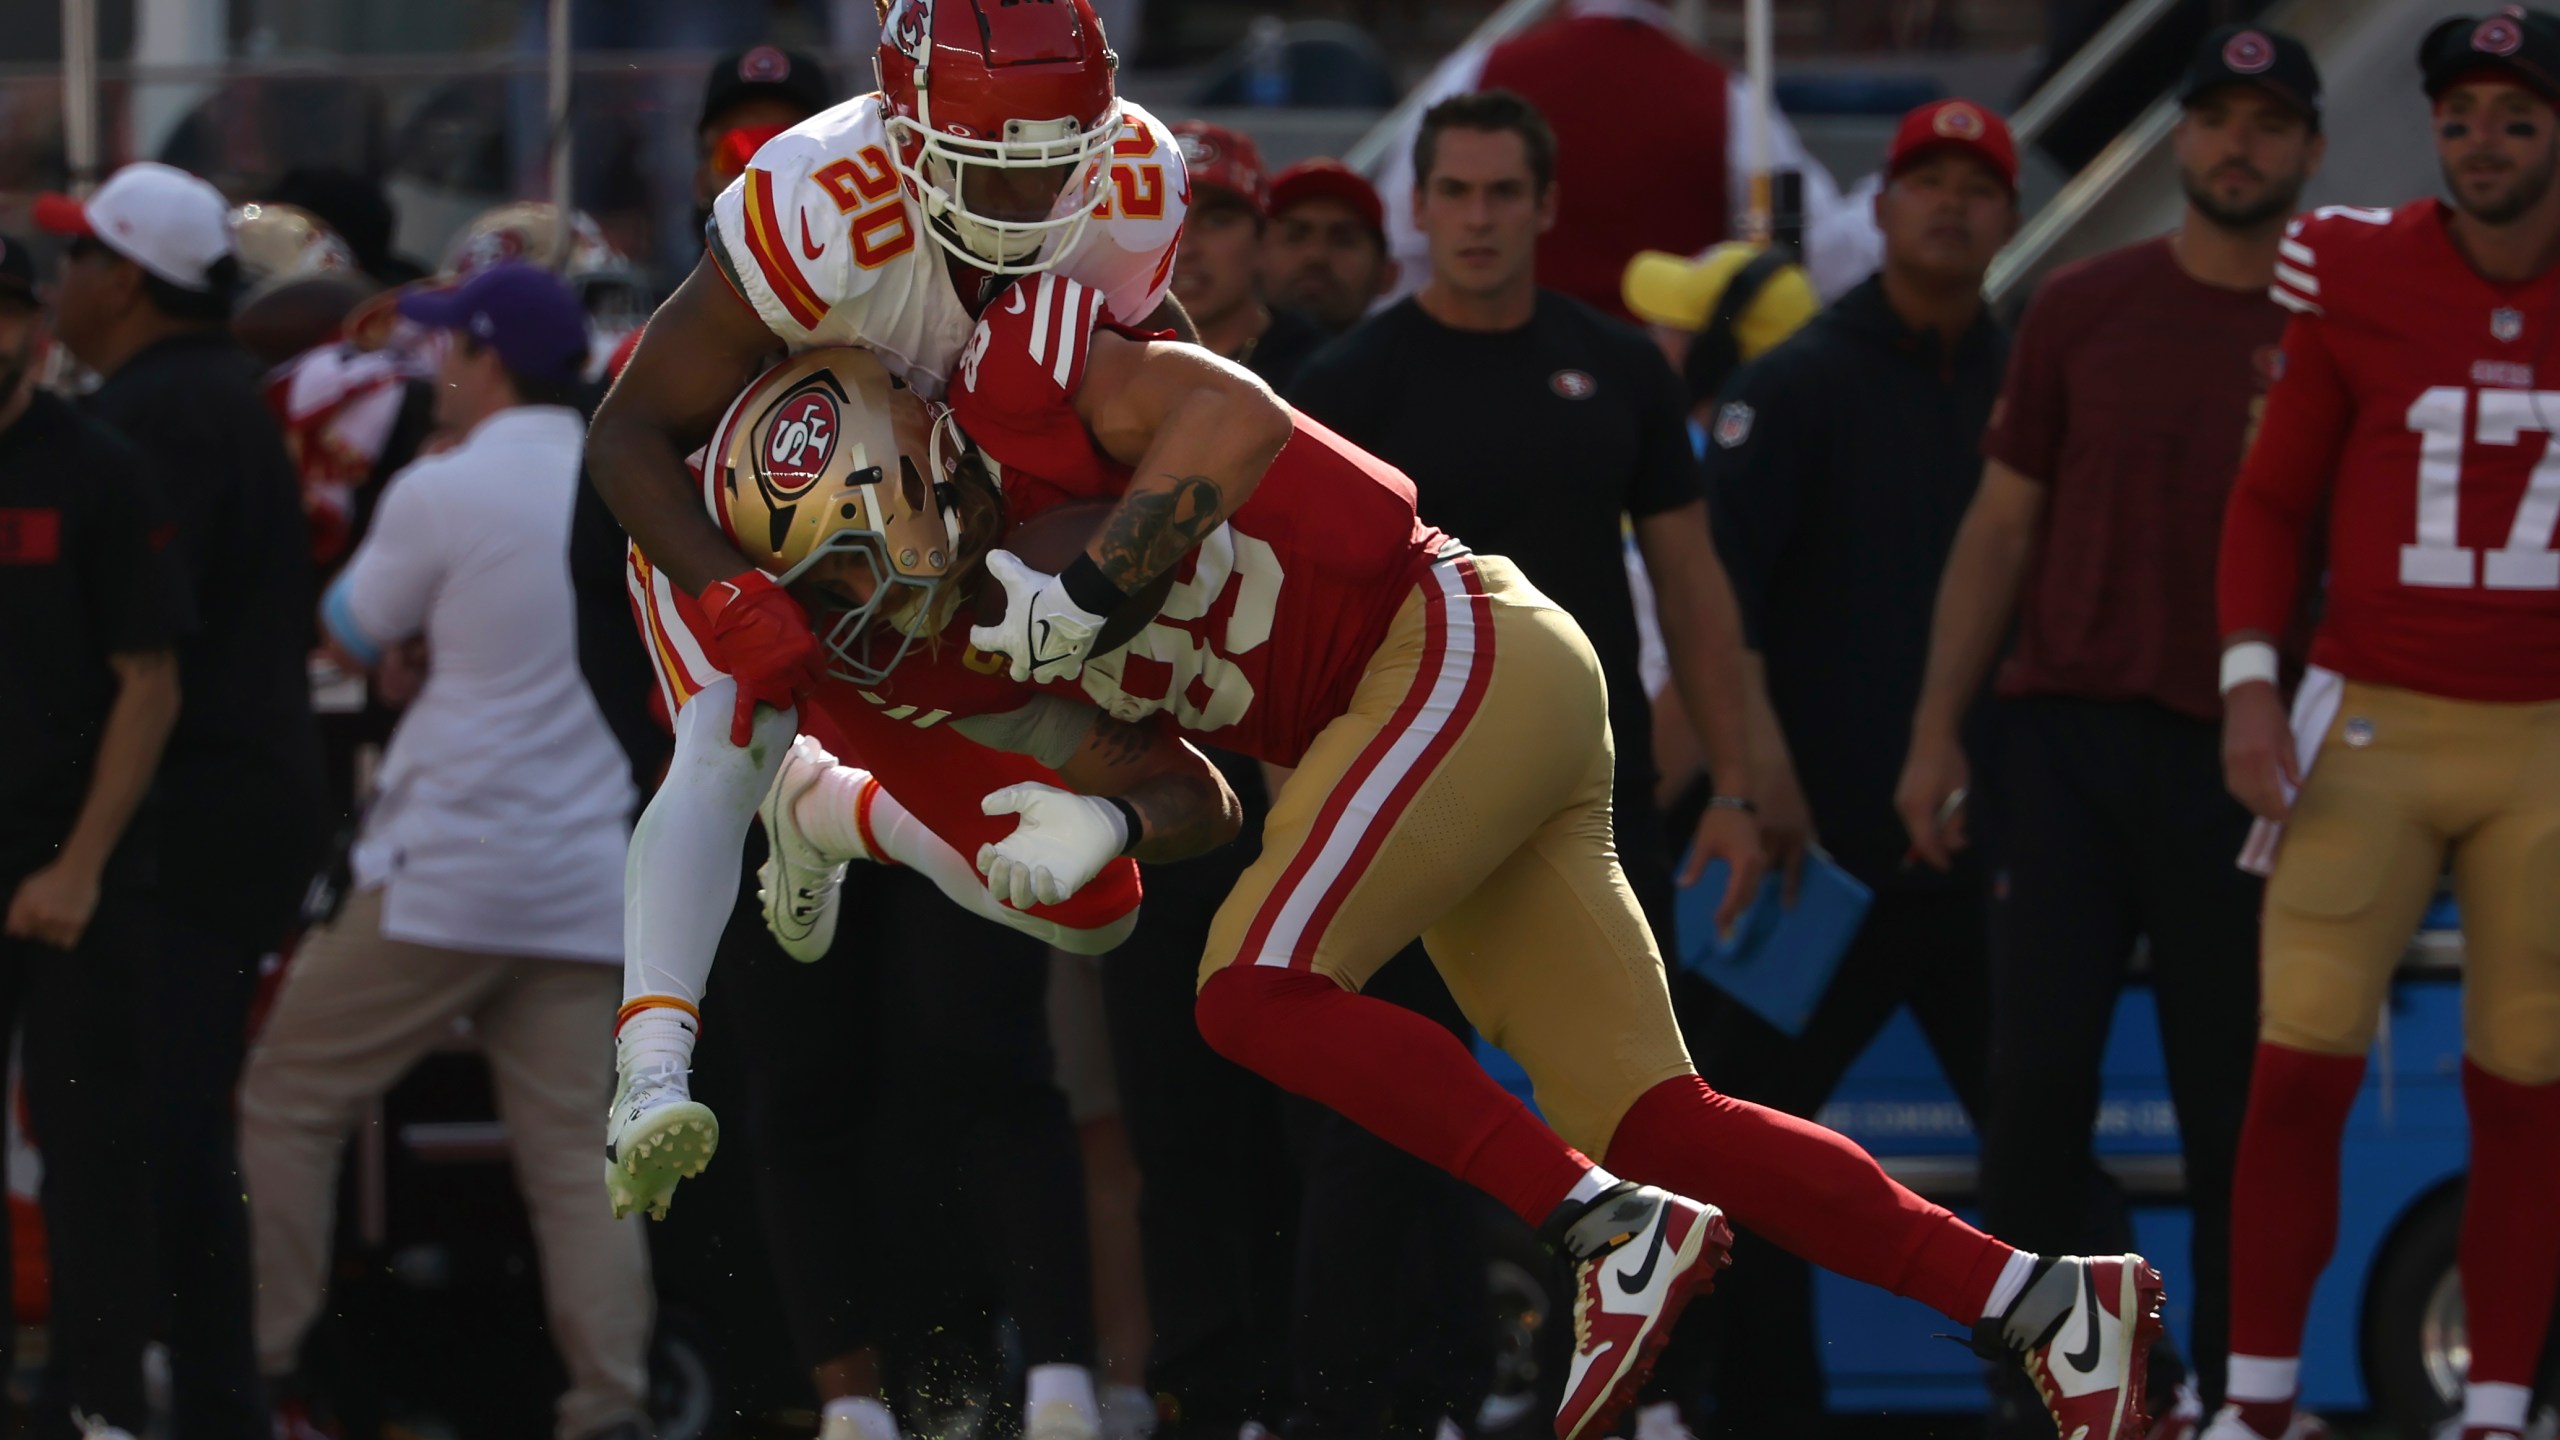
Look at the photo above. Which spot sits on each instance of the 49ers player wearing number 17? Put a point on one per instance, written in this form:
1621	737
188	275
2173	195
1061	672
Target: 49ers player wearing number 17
1447	730
2412	399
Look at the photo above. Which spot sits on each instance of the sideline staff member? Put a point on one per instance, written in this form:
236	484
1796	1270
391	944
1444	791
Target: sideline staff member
1840	466
1574	422
2137	378
145	301
90	606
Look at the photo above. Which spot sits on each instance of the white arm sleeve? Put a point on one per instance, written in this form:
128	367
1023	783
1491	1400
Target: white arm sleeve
681	879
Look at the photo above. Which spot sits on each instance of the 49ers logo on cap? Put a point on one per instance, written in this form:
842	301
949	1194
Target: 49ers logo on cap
764	65
2247	53
1957	122
2498	35
799	440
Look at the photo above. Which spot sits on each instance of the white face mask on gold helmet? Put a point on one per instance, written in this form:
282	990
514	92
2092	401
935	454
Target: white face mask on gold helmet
827	455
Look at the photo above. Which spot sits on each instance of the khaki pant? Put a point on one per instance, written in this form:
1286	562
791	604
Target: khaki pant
356	1012
1464	798
2401	781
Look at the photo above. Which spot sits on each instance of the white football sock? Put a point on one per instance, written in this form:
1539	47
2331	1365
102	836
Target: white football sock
2263	1379
2489	1405
829	813
659	1034
2011	1284
1072	1384
1588	1188
681	879
1661	1421
870	1419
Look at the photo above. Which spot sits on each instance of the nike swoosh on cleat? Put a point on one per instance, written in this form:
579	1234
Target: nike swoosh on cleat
1635	1284
2085	1359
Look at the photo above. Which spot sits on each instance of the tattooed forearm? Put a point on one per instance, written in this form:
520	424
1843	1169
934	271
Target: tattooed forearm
1118	745
1155	526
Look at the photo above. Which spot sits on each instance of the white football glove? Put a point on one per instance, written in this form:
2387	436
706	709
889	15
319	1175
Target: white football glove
1063	841
1044	634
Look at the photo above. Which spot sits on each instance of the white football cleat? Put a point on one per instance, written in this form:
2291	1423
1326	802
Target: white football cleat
798	884
2227	1425
2082	1329
1641	1255
656	1135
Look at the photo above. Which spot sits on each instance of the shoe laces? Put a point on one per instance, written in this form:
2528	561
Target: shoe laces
659	1083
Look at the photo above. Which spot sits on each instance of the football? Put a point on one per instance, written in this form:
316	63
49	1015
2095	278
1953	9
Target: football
1050	541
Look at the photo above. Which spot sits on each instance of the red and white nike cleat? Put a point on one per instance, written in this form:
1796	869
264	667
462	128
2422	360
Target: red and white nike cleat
1643	1254
2083	1330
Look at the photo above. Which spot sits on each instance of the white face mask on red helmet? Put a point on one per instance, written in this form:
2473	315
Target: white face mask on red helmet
989	103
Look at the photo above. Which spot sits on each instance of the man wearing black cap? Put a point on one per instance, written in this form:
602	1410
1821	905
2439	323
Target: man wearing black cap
2097	528
751	97
2410	404
90	609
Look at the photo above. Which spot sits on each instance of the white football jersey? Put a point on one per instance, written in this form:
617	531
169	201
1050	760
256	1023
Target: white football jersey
823	239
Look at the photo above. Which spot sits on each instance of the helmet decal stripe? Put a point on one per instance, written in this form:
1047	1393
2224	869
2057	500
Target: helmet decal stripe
773	253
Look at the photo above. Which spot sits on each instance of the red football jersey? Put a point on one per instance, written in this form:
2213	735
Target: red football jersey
1272	617
2408	395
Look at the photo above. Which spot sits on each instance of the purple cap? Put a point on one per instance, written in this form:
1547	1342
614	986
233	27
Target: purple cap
527	314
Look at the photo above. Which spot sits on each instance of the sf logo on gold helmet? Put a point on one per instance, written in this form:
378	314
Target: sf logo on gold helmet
825	469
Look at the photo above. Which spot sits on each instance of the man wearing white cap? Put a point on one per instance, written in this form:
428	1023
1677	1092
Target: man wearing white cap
144	294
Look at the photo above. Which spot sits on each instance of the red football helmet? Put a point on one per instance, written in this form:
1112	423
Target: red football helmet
1001	118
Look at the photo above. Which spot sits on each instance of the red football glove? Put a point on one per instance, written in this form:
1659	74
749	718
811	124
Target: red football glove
760	637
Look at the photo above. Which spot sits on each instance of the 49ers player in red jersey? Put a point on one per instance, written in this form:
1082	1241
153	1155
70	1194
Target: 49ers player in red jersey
1447	730
2412	402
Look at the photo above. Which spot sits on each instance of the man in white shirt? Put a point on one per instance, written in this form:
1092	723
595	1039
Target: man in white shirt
489	869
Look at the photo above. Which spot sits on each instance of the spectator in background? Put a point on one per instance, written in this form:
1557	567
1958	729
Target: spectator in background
145	297
355	207
1653	145
489	870
1217	267
1840	465
90	608
1325	253
2100	532
751	97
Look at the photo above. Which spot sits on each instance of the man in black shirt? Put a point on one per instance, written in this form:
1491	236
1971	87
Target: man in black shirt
1534	427
88	613
144	299
1840	464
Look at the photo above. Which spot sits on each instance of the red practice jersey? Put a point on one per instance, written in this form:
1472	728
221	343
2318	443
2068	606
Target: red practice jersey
1272	617
2408	394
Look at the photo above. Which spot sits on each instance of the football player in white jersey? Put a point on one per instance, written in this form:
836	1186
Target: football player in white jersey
995	146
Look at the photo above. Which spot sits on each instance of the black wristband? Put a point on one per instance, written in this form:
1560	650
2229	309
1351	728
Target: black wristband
1086	585
1128	813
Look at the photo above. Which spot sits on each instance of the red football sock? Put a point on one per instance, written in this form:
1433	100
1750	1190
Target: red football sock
1395	1073
2284	1197
2510	1252
1808	1190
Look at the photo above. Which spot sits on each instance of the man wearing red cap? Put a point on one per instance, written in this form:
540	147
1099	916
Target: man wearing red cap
1216	267
1326	255
2408	404
1839	466
2100	538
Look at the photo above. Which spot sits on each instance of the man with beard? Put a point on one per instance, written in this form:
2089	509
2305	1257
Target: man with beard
2137	378
2427	730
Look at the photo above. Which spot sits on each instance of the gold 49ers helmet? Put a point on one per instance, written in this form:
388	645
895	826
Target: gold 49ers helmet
827	455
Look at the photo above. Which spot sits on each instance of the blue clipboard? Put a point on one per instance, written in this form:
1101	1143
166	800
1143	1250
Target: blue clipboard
1780	959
